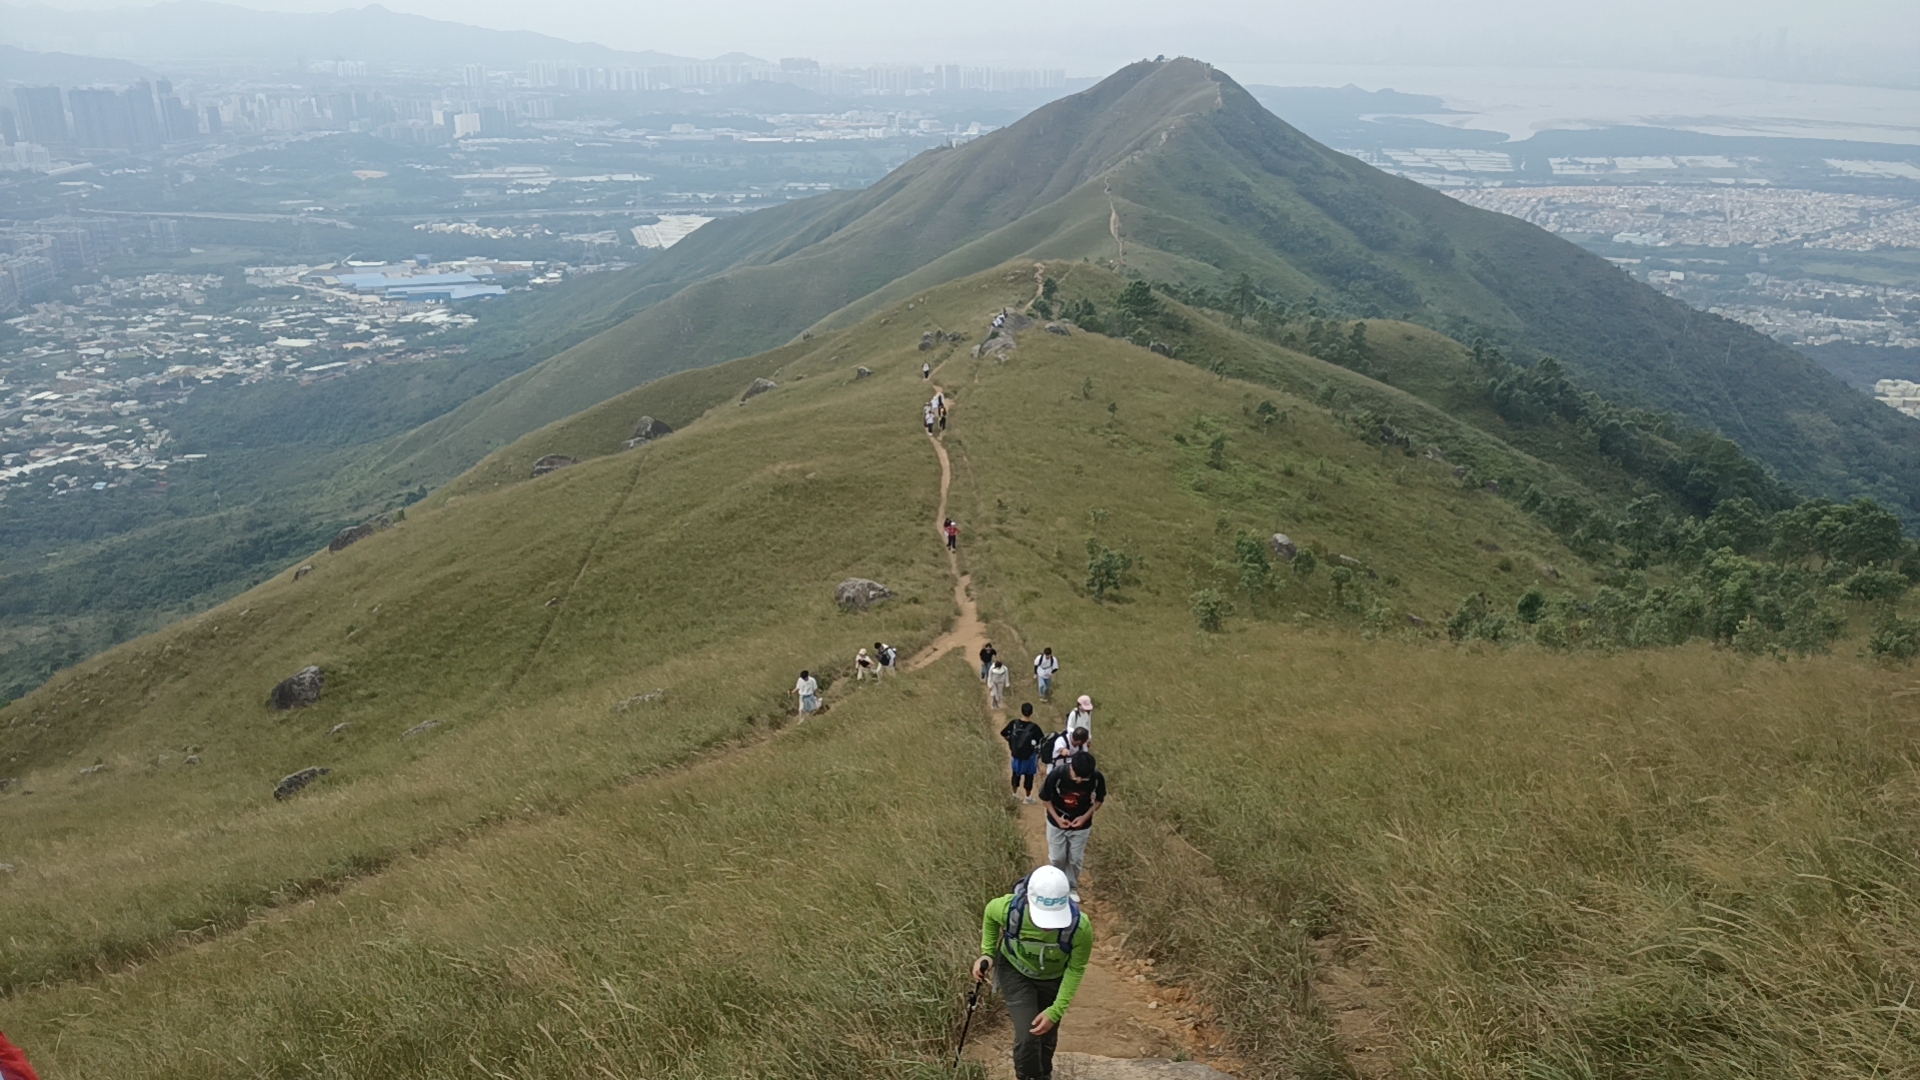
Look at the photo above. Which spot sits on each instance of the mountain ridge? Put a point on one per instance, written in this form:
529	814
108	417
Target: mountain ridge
1207	186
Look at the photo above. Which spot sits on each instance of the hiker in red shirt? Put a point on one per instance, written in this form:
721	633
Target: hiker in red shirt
13	1062
953	534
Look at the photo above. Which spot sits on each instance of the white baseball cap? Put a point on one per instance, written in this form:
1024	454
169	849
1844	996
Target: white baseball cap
1048	904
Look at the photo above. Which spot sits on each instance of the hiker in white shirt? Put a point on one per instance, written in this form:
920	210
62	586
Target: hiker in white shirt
1082	715
865	666
807	689
998	679
1044	666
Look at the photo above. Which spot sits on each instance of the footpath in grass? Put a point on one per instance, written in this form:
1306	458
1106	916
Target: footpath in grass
1379	853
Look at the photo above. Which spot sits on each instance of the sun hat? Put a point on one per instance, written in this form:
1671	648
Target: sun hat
1049	903
1086	702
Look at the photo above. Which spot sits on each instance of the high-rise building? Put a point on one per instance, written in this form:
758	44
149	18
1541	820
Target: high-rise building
143	117
166	236
9	131
100	118
41	117
476	76
213	120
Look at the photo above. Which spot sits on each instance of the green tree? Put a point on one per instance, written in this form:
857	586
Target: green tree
1532	605
1243	298
1106	569
1256	573
1304	564
1210	610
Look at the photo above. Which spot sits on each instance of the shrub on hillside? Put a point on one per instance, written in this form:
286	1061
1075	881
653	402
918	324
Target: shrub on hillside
1210	610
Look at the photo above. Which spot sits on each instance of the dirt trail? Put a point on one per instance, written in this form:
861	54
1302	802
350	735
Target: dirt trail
1123	1024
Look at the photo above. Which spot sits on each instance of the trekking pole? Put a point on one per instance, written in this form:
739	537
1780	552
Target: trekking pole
973	999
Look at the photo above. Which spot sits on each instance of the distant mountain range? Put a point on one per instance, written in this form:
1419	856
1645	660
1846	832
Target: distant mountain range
28	68
197	30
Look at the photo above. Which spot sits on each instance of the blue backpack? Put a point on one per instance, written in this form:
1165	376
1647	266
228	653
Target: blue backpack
1017	917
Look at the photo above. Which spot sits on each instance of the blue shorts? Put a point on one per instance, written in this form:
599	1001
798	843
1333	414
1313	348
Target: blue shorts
1026	766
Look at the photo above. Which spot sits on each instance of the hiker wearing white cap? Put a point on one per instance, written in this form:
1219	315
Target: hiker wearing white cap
1071	796
865	666
1082	715
1035	941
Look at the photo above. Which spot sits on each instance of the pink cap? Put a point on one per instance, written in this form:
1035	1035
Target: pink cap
1086	702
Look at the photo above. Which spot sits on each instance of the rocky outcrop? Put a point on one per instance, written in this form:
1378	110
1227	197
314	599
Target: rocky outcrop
995	346
760	386
647	430
1159	348
859	594
1283	546
338	728
552	463
294	782
1058	328
298	690
303	572
862	372
346	538
420	728
927	340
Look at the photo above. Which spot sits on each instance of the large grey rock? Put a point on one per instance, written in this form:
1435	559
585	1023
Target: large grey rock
926	340
420	728
1071	1066
862	372
552	463
1058	328
293	782
760	386
346	538
1283	546
647	430
298	690
303	572
1159	348
859	594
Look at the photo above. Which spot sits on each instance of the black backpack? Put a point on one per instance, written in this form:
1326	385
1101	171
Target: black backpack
1017	917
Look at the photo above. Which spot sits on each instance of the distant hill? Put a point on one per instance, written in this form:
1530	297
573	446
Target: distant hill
202	30
1203	185
25	67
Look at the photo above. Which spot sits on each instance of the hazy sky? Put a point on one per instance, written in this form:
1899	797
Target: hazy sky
1092	36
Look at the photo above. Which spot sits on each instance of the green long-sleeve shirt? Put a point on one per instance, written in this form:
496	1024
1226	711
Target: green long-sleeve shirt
1039	952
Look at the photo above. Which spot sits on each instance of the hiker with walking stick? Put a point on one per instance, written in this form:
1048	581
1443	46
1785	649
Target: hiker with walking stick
1035	942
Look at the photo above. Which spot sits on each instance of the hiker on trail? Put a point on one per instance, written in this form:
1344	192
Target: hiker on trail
998	680
1023	743
1044	667
927	417
1035	942
953	535
13	1062
939	400
807	689
987	653
888	657
943	417
926	371
865	666
1082	715
1061	747
1072	795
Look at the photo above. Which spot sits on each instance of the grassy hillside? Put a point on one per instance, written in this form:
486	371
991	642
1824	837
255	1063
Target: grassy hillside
1519	856
1206	187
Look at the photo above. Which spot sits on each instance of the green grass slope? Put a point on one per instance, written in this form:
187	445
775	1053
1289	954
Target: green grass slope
550	848
1651	863
1206	186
